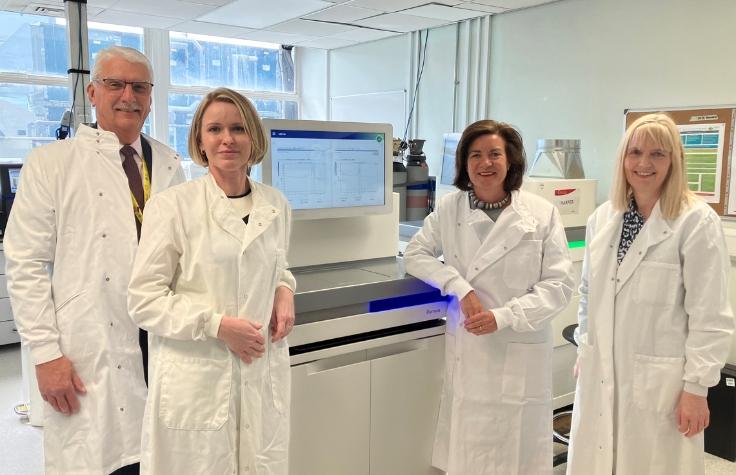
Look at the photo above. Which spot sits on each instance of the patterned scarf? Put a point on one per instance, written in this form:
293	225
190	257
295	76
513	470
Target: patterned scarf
633	222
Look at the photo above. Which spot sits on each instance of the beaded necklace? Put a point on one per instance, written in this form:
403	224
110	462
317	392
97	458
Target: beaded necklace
476	203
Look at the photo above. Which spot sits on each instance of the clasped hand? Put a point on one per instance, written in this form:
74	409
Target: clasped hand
478	321
243	337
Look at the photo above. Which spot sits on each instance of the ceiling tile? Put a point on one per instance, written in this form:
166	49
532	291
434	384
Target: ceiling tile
310	28
102	3
212	29
252	14
481	8
327	43
343	14
135	19
276	37
214	3
513	4
164	8
400	22
388	5
442	12
365	34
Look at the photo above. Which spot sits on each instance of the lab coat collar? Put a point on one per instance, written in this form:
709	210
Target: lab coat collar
655	230
512	224
225	215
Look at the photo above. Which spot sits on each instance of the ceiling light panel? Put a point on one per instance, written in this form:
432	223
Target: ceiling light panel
252	14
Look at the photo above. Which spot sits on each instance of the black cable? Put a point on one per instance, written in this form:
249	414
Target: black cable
419	80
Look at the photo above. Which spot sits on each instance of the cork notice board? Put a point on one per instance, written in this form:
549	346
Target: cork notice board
707	135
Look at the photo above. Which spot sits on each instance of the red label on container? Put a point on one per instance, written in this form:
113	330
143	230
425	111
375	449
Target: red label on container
566	191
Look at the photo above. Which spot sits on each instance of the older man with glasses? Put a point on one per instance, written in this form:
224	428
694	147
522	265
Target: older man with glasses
70	244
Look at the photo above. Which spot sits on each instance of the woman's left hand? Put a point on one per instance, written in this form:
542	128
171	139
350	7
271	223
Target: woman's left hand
482	323
282	315
692	414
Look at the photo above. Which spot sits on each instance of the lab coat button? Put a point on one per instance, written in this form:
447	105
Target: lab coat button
120	366
110	323
169	168
107	279
122	410
475	268
505	248
104	235
618	280
273	211
458	225
100	193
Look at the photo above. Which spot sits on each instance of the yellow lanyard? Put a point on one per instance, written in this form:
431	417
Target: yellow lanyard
146	193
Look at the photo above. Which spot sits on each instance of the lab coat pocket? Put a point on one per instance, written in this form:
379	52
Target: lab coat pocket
658	283
195	393
522	264
658	382
526	374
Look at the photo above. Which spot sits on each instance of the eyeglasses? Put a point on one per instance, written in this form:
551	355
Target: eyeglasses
139	87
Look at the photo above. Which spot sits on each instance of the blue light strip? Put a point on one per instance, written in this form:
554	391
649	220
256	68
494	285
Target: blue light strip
407	301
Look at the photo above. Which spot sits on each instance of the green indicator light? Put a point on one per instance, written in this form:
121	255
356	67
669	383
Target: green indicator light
575	244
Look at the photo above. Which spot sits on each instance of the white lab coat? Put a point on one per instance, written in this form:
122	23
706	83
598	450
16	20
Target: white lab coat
69	246
495	413
655	324
207	411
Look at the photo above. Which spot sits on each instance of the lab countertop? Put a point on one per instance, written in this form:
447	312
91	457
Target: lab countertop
331	291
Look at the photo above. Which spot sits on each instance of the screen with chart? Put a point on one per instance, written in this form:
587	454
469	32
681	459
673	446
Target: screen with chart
329	169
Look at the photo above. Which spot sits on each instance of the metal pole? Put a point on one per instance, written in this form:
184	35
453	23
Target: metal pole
79	74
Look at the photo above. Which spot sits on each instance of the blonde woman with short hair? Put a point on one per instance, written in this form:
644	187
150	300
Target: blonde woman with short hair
212	287
655	321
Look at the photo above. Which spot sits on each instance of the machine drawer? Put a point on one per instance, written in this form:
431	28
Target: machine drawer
6	312
8	333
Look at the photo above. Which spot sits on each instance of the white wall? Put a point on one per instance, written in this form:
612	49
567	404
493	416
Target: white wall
569	69
312	82
386	65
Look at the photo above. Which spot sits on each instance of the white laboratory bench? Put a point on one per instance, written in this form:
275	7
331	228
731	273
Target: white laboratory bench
8	331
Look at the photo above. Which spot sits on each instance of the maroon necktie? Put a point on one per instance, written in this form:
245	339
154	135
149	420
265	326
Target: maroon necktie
134	180
133	174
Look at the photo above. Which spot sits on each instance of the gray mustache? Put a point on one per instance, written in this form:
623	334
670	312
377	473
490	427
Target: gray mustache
128	107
